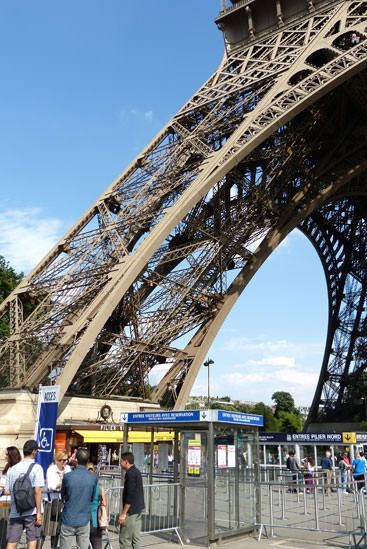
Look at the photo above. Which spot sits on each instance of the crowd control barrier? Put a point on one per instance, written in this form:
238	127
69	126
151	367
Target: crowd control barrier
317	507
162	509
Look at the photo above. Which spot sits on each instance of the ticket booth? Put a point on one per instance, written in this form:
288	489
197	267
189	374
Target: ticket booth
214	468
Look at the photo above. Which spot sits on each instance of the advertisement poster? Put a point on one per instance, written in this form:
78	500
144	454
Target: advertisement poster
222	456
194	457
231	456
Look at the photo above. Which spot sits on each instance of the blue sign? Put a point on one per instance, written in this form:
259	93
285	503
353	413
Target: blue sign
45	431
240	419
160	417
187	416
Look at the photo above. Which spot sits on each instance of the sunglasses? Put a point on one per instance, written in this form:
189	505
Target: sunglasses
62	460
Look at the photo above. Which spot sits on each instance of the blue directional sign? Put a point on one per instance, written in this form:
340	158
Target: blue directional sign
240	419
160	417
187	416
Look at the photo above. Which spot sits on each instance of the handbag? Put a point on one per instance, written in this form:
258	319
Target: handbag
102	515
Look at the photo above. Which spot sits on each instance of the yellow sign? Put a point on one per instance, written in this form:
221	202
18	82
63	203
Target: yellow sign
349	438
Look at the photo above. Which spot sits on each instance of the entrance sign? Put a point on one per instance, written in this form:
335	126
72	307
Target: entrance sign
45	429
313	438
239	418
192	416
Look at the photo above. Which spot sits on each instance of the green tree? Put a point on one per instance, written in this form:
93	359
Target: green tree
284	402
290	422
271	423
9	279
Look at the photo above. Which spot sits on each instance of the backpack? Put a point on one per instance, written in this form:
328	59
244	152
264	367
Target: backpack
23	492
288	462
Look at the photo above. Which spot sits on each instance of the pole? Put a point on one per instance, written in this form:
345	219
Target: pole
207	364
208	385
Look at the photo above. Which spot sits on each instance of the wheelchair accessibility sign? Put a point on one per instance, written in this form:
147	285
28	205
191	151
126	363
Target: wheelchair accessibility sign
46	440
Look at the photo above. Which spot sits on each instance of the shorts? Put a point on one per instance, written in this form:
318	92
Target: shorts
18	524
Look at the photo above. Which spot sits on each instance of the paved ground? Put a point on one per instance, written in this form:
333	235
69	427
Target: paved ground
289	540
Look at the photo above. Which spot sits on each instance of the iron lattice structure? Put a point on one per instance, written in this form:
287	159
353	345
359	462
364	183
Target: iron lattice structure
274	140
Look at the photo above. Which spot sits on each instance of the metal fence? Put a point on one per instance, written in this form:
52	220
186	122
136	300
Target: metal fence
296	504
162	508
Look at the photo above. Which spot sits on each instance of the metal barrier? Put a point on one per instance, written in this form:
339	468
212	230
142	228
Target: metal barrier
4	517
296	505
162	508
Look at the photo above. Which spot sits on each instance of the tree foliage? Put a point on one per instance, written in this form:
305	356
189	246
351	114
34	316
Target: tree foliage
284	402
9	279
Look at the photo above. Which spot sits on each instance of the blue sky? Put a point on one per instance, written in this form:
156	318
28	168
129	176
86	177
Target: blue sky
85	86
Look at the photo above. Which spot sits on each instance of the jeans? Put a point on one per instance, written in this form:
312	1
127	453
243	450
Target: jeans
343	479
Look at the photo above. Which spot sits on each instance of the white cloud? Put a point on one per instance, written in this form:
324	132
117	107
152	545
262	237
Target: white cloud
278	346
26	236
125	113
157	373
286	361
308	379
236	378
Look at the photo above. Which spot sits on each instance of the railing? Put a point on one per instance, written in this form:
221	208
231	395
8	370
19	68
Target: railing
162	508
312	505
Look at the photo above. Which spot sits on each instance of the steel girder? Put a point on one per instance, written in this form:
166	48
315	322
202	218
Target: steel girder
266	141
338	231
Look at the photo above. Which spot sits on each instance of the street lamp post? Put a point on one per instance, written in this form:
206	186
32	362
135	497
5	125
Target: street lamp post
207	364
364	403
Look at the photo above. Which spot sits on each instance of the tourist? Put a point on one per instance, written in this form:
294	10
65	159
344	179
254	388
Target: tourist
77	492
344	467
309	474
132	504
359	471
294	467
96	531
56	472
12	457
327	471
29	520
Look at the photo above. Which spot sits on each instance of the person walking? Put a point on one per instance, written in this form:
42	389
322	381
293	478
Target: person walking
30	519
77	492
132	504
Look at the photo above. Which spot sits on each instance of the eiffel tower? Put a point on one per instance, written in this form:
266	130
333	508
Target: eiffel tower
274	140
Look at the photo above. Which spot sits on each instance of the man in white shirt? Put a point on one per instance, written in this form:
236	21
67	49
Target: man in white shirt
30	520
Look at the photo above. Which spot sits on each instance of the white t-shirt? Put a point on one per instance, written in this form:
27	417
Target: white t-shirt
54	476
36	477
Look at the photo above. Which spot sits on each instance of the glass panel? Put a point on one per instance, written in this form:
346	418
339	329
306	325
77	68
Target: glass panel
193	474
234	497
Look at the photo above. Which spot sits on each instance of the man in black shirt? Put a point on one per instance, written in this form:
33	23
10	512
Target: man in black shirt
132	504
